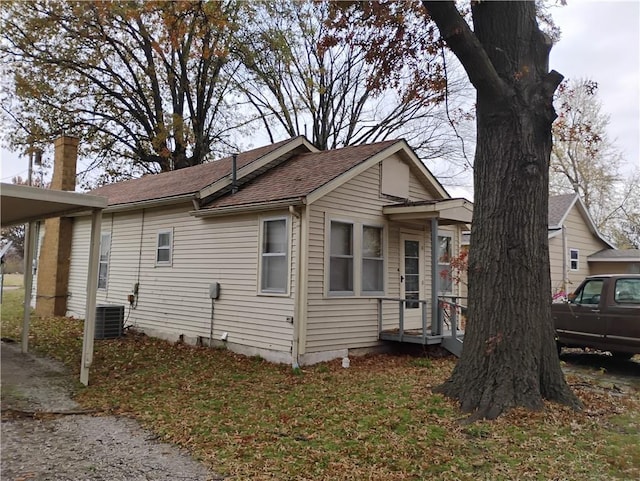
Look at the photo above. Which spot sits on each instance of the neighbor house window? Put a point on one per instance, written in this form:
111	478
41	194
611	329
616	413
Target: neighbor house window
103	265
574	257
164	245
372	260
341	258
445	275
273	254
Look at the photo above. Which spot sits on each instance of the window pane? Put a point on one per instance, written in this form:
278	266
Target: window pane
274	273
164	255
627	291
341	274
412	283
445	281
574	254
409	304
102	275
372	275
105	245
411	248
164	239
371	242
275	237
341	239
444	249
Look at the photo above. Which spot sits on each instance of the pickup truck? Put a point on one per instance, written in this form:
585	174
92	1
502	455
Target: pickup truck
603	313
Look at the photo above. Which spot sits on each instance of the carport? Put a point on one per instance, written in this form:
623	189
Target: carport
25	205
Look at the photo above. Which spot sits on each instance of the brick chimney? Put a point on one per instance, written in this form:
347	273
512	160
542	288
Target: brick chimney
55	252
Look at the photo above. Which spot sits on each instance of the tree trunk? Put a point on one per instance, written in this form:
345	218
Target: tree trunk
509	357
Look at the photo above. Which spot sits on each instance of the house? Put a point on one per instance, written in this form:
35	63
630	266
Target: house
614	261
287	252
573	238
576	248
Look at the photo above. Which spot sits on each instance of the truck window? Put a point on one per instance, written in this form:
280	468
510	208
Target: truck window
590	293
627	291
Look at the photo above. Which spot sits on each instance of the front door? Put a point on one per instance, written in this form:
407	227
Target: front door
411	262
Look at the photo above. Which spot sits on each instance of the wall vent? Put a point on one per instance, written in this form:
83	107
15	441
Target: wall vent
109	321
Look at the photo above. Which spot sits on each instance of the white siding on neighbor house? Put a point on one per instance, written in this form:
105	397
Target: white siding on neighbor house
174	299
349	322
578	236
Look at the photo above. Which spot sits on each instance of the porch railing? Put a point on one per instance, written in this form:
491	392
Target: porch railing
401	303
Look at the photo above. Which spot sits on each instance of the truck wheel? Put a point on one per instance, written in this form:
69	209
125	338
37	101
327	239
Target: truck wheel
622	356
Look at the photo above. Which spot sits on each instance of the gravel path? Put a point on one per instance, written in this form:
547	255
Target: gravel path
74	447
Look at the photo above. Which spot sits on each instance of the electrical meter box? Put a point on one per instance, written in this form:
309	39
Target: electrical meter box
214	290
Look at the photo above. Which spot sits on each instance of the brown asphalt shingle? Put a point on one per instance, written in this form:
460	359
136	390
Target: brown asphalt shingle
178	182
301	175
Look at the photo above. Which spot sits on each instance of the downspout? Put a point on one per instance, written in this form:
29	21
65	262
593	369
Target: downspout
564	260
298	292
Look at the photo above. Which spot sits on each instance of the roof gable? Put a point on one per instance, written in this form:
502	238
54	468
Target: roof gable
312	175
559	208
188	181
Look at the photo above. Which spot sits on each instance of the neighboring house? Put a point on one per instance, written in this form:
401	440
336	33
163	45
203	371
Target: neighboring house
573	238
609	261
303	243
574	241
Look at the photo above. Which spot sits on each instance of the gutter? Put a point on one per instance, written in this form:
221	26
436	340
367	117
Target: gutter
146	204
247	208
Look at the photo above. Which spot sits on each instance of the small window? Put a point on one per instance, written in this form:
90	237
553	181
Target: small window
163	247
274	256
574	258
341	259
445	275
372	260
103	264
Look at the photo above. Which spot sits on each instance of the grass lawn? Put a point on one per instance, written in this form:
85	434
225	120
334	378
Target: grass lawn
377	420
13	280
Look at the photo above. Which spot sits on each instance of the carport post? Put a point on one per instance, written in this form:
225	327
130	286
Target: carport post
28	283
92	288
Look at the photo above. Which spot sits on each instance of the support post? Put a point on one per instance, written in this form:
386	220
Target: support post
92	288
29	243
436	325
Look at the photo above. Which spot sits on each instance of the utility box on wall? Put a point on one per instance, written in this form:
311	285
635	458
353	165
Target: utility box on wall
109	321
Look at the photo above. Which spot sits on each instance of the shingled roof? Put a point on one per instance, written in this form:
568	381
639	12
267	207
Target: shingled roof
179	182
559	205
301	175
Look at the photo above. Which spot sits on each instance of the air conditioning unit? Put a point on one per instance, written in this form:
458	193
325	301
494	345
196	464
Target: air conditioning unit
109	321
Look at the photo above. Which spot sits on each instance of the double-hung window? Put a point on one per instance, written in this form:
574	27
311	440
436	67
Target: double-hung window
372	260
274	256
445	274
574	259
164	247
341	258
103	264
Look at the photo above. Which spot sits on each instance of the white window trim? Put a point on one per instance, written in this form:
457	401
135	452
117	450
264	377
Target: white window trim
159	232
107	262
577	260
357	228
269	292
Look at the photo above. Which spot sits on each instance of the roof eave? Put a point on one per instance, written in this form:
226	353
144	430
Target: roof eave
248	208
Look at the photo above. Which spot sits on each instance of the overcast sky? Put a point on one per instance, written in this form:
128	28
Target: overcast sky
600	40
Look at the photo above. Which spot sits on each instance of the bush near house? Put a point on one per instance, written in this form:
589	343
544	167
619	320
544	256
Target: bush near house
379	419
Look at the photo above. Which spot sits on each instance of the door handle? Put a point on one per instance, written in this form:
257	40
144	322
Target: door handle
401	278
595	310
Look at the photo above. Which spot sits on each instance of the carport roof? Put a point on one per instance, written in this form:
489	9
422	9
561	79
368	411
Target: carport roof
22	204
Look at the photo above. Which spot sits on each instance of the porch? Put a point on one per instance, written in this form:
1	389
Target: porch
445	327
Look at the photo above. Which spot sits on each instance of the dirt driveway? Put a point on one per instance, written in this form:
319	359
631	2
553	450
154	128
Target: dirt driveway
68	445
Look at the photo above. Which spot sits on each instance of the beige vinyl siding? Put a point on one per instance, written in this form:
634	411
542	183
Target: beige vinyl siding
556	261
579	237
334	322
174	299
